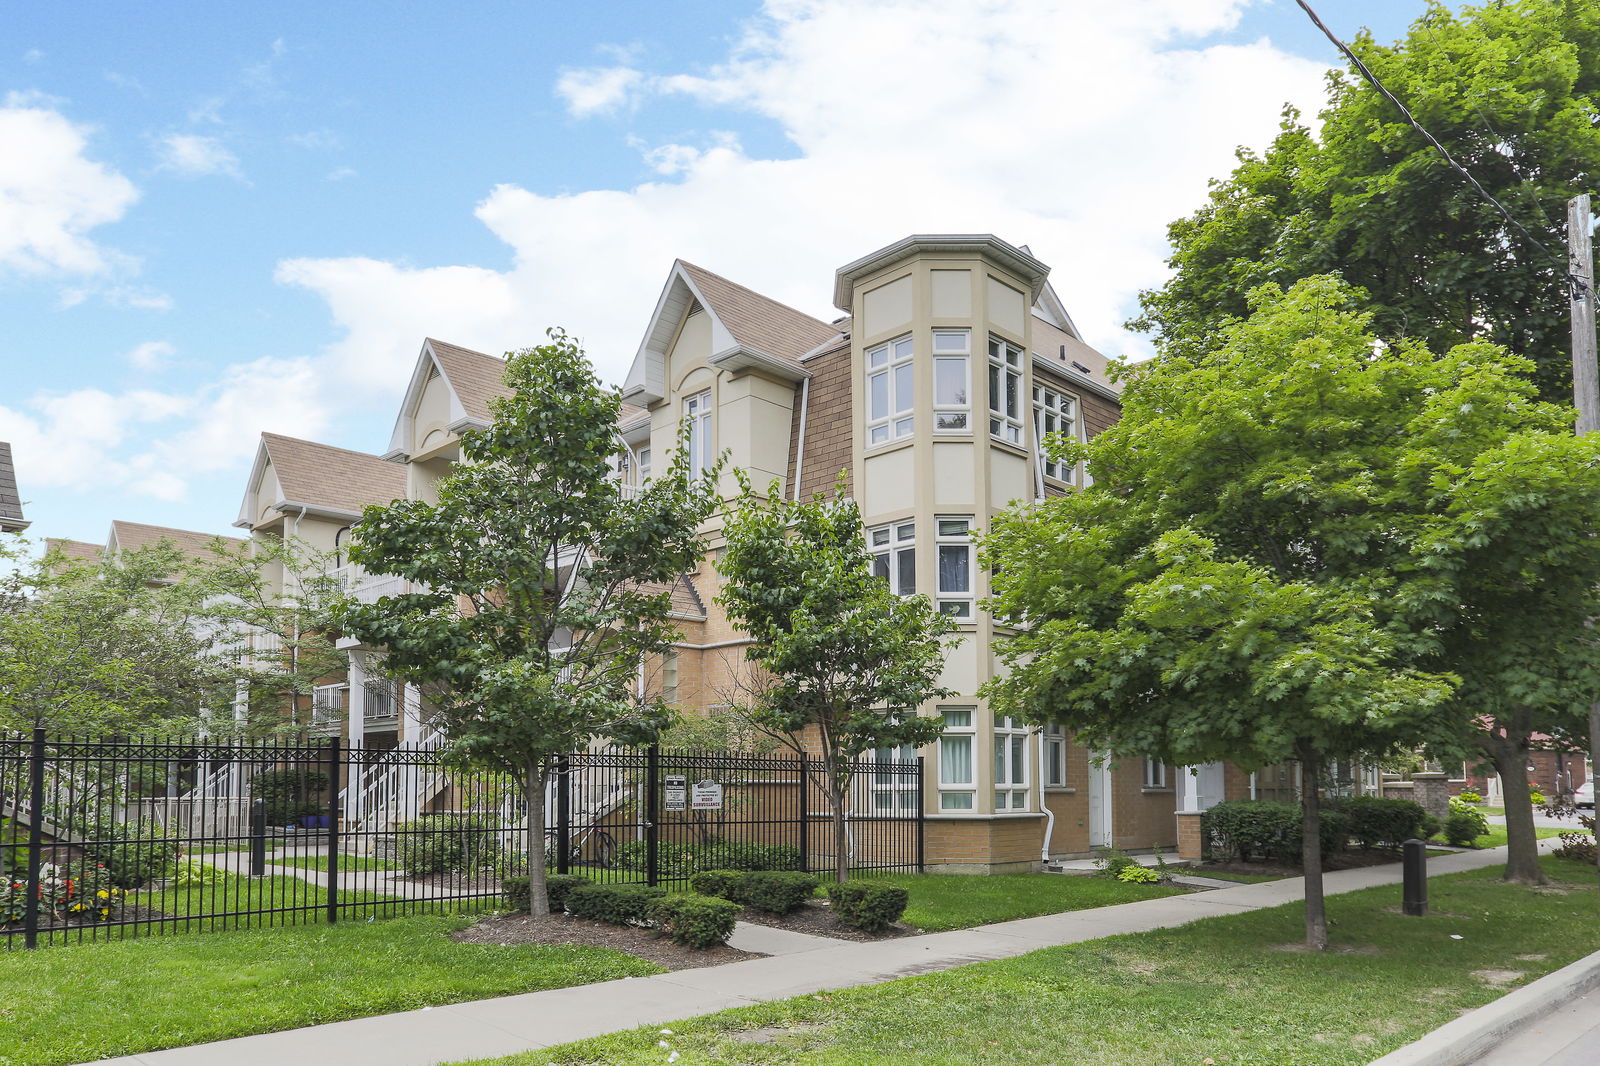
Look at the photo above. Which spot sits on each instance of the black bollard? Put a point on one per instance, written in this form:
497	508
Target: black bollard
258	838
1415	866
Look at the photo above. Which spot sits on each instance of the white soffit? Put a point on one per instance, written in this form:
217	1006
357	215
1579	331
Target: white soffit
399	440
647	377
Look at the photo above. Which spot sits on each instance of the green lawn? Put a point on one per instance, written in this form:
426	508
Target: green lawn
1233	990
67	1004
233	892
1496	836
952	901
346	862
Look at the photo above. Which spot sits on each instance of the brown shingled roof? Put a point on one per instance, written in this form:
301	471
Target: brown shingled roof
11	518
132	535
474	376
79	551
759	321
320	475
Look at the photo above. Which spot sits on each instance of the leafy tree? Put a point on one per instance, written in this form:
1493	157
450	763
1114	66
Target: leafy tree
838	651
298	618
1292	549
1511	90
520	662
114	646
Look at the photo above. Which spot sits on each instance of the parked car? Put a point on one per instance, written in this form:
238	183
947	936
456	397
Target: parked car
1584	797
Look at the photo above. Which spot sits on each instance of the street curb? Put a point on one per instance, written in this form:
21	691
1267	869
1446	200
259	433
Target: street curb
1475	1034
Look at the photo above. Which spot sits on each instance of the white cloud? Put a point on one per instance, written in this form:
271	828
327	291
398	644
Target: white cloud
1079	129
51	194
151	356
192	155
340	174
32	56
598	90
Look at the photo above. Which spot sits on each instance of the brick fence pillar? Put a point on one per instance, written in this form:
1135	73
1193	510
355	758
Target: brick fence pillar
1432	790
1189	840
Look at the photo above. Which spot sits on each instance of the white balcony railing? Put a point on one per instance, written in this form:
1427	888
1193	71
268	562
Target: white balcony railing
369	588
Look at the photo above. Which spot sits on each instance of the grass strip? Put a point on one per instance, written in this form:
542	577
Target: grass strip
1235	989
940	902
73	1003
347	863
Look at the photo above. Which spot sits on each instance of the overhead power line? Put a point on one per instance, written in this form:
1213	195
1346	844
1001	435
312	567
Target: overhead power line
1574	279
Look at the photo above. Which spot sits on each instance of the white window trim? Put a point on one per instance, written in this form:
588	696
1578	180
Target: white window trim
1054	738
1018	783
969	732
963	355
899	419
958	604
1066	413
901	789
1155	775
1007	358
697	413
893	543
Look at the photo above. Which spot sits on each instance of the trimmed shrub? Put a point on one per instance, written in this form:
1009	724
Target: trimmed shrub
1247	830
288	793
1471	817
776	891
1469	796
1460	830
443	843
674	859
617	904
141	854
518	896
723	884
871	906
698	921
1432	826
1536	797
1374	822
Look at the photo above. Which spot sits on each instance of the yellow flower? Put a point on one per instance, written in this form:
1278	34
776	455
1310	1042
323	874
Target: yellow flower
77	907
103	894
105	912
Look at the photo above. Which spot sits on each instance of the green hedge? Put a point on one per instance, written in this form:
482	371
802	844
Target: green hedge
698	921
517	895
444	843
1381	823
617	904
871	906
674	859
142	853
1246	830
776	891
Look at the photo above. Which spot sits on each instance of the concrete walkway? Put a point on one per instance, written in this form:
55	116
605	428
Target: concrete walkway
799	965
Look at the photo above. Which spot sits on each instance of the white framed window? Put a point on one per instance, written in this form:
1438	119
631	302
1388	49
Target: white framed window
958	784
952	381
1054	739
953	537
890	391
1005	391
1155	774
894	555
895	792
669	676
1010	765
697	413
644	466
1053	412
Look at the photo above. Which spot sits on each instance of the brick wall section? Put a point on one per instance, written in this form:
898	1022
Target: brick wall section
830	425
997	844
1141	819
1190	844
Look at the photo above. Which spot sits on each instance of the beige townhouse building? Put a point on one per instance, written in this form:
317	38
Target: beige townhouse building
929	395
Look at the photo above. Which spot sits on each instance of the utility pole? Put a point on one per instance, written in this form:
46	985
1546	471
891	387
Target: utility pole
1585	375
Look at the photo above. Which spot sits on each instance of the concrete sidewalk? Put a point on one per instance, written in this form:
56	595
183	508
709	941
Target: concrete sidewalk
798	965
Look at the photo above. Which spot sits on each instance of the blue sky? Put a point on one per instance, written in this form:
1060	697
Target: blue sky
218	219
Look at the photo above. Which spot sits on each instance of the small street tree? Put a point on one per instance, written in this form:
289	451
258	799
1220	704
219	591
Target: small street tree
1290	548
112	646
546	584
837	650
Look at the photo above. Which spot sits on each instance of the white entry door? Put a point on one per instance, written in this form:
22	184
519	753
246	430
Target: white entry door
1209	785
1100	805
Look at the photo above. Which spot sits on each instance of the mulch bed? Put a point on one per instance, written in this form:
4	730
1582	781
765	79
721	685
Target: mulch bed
816	917
563	929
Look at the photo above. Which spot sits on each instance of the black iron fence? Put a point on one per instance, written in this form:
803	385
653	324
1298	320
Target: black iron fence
117	837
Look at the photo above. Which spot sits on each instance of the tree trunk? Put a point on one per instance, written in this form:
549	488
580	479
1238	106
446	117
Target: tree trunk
841	836
538	886
1311	848
1510	756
